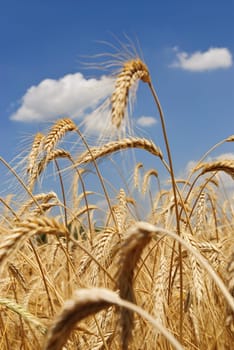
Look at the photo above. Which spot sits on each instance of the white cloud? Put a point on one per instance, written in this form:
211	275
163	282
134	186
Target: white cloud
146	121
71	96
213	58
224	156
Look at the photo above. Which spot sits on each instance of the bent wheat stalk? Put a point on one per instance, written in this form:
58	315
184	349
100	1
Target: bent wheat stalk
87	302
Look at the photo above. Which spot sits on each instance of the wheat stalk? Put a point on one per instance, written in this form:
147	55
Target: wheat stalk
132	71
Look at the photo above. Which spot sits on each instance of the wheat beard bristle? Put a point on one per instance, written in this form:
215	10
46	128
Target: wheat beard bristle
132	71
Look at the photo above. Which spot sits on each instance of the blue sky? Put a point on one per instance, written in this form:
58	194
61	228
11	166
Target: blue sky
187	45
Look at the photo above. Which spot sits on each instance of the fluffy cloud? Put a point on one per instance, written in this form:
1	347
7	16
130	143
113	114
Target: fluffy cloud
71	96
213	58
146	121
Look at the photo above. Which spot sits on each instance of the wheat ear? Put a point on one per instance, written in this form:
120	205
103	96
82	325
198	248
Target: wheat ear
25	230
32	158
130	251
148	174
53	155
132	71
25	314
115	146
56	133
136	174
224	165
44	198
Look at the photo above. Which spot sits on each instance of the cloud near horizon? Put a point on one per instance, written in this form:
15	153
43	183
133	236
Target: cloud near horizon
213	58
70	96
146	121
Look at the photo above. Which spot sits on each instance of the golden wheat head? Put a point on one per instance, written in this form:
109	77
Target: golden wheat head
132	71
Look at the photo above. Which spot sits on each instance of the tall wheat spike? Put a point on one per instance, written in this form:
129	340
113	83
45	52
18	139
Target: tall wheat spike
36	147
58	130
132	71
136	174
200	213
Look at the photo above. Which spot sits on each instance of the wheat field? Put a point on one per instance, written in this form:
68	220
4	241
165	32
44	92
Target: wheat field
162	281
